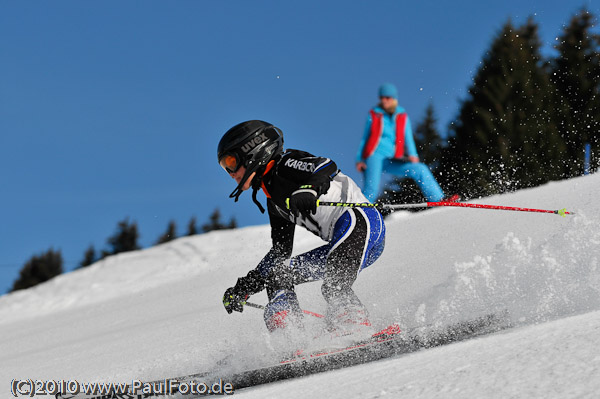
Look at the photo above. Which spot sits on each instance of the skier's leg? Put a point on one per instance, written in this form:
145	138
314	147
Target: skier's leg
372	177
312	265
283	309
343	265
421	174
358	241
376	242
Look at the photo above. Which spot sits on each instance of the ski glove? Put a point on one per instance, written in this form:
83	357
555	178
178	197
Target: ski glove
232	300
235	297
303	201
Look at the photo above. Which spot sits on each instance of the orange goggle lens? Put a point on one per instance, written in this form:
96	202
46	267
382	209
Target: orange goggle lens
230	163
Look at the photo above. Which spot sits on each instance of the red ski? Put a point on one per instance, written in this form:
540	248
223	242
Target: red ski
389	333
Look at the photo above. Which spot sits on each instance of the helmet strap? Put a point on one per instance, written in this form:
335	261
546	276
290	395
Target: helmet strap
238	190
255	200
256	185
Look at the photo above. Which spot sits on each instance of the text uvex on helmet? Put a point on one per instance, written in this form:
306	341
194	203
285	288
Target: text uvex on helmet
251	144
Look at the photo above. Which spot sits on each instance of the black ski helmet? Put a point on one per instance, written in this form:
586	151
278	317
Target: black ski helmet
251	144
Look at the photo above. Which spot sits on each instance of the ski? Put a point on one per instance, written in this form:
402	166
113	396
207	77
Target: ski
389	342
387	334
376	348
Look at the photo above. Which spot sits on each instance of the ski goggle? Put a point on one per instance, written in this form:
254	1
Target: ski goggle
230	162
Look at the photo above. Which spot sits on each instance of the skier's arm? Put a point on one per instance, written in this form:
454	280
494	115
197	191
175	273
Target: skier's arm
282	236
235	297
303	168
313	176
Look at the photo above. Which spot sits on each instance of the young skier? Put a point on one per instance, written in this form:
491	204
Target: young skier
293	181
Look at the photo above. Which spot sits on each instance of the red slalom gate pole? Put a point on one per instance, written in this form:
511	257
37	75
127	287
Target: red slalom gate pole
562	212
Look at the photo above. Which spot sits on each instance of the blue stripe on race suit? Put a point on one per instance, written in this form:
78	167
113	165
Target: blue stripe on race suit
319	167
376	238
312	265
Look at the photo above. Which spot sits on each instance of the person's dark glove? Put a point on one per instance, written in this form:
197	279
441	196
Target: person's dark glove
234	300
304	201
235	297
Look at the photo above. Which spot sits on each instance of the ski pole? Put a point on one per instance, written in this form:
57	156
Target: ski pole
257	306
562	212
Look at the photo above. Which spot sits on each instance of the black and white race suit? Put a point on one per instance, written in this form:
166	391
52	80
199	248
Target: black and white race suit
355	236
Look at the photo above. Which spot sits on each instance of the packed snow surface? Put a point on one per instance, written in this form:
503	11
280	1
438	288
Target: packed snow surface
157	313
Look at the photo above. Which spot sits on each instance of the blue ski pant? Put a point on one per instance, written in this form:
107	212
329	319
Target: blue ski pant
419	172
357	242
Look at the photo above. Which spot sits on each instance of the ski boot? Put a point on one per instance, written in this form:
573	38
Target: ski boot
347	318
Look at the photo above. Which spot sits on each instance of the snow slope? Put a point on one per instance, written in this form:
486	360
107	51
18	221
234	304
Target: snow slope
157	313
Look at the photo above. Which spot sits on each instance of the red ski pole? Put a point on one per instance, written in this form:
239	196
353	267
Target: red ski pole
562	212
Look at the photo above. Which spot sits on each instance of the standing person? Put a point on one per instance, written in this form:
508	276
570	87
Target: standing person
388	146
252	153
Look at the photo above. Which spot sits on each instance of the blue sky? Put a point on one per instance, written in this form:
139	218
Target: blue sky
112	110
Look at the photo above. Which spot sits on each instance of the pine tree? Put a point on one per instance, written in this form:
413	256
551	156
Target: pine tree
504	138
89	257
428	140
216	224
576	75
169	235
38	269
192	229
232	224
125	239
